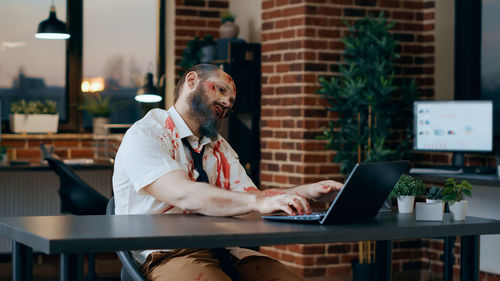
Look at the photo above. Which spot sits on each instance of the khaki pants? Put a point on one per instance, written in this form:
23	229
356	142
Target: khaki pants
200	265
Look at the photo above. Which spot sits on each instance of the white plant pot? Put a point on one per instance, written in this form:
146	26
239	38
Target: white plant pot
458	210
429	211
34	123
435	201
405	204
98	124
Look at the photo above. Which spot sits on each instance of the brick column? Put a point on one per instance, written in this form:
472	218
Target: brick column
301	40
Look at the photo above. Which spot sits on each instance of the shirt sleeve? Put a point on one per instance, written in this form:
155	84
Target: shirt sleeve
145	158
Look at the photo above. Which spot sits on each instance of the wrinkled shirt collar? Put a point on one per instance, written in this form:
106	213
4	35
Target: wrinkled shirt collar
185	132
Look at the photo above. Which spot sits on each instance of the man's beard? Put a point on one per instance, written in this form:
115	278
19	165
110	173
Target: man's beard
202	111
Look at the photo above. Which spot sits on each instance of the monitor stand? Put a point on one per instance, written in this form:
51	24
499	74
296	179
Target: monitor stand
458	159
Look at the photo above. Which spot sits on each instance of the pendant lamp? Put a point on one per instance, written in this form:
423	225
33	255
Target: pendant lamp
148	92
52	28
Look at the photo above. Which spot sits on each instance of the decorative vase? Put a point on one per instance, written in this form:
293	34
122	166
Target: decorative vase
429	211
34	123
229	29
458	210
405	204
98	124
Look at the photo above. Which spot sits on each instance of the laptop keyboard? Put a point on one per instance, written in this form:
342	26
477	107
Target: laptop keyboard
310	216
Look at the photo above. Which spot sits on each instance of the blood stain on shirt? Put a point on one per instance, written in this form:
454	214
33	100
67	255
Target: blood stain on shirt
170	126
168	209
222	167
175	145
191	169
250	188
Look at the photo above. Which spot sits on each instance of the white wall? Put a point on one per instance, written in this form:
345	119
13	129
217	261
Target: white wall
248	18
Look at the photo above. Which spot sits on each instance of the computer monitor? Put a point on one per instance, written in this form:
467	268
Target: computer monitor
455	126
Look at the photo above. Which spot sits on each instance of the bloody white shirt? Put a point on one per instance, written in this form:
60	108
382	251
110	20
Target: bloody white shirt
153	147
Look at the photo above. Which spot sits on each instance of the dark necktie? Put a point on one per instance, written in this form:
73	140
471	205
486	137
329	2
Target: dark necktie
198	161
222	254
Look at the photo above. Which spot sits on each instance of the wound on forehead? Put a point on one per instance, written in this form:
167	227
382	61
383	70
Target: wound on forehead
230	81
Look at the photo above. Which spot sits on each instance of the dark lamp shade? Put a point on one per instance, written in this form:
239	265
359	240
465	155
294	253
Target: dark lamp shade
148	93
52	28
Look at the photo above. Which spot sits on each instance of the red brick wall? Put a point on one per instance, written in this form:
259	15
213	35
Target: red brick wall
196	18
300	42
66	146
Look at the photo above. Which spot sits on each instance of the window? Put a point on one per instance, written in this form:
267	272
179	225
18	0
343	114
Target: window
30	68
119	45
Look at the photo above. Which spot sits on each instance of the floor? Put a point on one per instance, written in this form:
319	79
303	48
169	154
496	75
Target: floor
46	267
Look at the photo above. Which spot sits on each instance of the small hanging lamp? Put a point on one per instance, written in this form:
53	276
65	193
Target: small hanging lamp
52	28
148	92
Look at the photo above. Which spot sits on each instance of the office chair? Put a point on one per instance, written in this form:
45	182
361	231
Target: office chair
130	269
77	198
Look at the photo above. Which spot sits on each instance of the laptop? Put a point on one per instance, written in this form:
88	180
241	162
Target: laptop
364	192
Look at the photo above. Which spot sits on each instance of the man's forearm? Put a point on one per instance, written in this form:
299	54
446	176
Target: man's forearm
213	201
178	190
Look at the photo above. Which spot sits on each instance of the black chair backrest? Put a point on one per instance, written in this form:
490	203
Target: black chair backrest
77	197
130	270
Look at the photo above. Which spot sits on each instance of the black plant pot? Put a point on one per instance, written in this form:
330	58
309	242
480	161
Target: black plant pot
363	271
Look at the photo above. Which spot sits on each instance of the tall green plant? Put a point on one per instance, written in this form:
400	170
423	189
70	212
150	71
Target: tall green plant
365	97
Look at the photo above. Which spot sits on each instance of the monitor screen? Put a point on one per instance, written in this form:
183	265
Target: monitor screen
453	125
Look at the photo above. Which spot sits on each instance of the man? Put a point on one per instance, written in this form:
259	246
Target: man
175	161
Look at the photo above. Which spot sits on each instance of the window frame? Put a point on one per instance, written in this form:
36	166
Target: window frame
74	61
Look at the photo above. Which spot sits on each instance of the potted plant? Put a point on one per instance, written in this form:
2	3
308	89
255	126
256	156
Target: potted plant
364	97
453	193
228	28
100	109
405	191
208	49
198	51
434	195
433	208
34	116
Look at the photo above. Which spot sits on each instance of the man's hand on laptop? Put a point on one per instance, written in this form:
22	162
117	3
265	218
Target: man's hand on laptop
323	191
275	200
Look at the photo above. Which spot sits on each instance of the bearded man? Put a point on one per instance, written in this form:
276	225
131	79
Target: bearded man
175	161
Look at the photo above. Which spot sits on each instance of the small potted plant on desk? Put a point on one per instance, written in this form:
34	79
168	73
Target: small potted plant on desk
433	208
100	109
453	194
405	191
34	117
